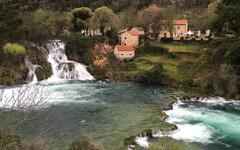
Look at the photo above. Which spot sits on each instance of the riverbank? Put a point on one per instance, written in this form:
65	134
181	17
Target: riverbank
169	64
190	65
176	64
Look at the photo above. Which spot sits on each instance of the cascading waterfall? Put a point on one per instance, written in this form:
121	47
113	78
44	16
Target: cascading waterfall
62	68
31	77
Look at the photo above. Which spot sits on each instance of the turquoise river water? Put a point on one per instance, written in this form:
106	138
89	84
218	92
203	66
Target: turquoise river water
111	112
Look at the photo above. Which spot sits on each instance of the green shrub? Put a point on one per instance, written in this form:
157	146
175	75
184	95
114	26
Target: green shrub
154	49
13	74
154	76
14	49
112	37
83	13
82	143
78	47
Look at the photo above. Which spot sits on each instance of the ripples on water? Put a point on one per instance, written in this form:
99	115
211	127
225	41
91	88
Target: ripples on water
110	112
212	121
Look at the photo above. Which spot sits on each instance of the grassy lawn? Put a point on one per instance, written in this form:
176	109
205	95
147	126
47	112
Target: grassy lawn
172	66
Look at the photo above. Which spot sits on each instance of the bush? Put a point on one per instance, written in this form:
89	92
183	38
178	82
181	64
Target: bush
154	49
78	47
112	37
13	74
166	40
82	143
83	13
14	49
98	72
154	76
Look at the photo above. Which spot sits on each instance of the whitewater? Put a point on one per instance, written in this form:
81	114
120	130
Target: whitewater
208	121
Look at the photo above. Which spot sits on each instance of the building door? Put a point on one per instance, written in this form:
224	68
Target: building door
165	35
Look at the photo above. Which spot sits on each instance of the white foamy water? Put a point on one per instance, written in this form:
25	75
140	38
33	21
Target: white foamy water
205	120
193	133
31	77
142	141
23	97
62	68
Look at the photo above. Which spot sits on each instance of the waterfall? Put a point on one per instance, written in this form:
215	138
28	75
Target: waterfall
31	77
62	68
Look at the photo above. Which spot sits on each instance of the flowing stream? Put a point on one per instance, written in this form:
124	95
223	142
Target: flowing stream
31	77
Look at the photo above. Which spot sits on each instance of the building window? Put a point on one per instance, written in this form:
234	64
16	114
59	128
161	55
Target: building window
122	54
125	38
130	54
178	28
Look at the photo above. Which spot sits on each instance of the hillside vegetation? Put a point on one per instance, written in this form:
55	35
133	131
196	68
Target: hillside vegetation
175	59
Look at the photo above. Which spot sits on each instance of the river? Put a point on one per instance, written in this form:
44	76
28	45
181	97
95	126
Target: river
110	112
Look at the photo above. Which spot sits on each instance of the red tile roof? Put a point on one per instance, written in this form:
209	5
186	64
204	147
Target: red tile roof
134	33
138	28
124	48
180	22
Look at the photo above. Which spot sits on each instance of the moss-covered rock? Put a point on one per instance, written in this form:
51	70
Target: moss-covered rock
129	141
13	74
44	71
39	56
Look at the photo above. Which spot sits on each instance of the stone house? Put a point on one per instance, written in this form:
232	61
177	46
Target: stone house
179	29
130	38
124	52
